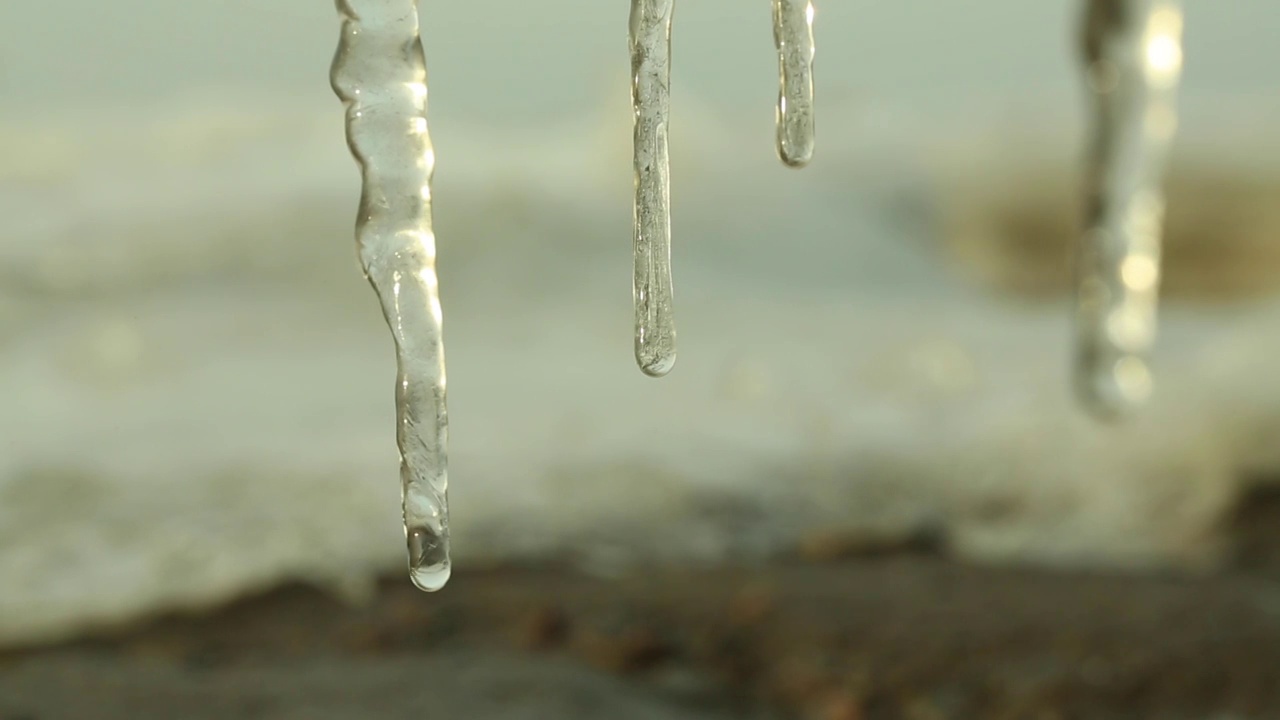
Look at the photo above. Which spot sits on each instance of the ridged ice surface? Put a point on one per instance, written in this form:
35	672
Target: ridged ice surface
380	74
650	45
1133	56
793	35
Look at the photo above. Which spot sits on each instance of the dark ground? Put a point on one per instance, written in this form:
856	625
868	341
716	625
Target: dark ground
898	636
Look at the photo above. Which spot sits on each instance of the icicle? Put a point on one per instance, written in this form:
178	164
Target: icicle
1133	54
793	35
379	73
650	45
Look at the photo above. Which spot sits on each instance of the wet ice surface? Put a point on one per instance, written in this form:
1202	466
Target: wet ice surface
649	41
793	34
379	72
1133	63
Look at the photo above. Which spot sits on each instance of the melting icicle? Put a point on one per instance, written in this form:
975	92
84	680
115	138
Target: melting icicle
1133	53
650	45
379	73
793	35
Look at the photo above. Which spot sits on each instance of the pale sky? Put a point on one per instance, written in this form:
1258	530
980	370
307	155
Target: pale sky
512	61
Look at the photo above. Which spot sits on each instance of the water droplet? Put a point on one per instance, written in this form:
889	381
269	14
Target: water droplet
429	565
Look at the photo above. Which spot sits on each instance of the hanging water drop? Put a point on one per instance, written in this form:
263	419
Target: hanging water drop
650	45
1133	57
379	73
793	36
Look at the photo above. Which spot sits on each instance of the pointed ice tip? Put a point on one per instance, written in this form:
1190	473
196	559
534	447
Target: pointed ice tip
429	566
795	162
431	579
1104	410
795	149
656	366
1113	395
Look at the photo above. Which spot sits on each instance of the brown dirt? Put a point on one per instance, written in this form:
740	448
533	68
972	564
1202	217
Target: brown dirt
1221	240
903	636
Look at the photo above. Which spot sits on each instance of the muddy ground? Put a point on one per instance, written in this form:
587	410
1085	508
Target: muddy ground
906	635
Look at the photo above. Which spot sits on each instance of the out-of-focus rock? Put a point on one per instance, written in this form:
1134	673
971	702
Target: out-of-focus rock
1016	231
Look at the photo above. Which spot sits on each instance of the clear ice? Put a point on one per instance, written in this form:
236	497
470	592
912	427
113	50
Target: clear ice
793	35
379	73
650	45
1133	59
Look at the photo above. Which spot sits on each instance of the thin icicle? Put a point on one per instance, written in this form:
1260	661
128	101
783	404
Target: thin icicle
793	36
650	45
379	73
1133	56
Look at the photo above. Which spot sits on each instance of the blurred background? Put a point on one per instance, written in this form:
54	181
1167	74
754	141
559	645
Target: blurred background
864	492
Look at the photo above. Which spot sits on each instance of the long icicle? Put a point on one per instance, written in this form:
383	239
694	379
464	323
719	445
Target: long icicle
650	45
379	73
793	36
1133	56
